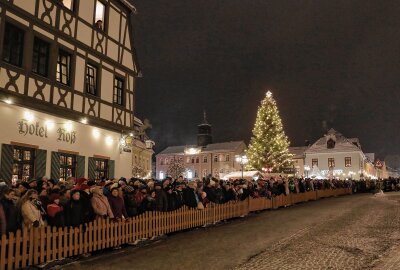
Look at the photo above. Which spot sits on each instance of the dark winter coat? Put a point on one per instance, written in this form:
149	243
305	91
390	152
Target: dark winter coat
117	206
189	196
11	213
211	196
55	215
161	200
3	221
130	204
74	213
88	211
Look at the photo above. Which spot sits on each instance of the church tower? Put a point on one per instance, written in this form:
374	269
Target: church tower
204	136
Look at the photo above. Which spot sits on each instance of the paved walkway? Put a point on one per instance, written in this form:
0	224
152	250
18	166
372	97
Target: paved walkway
349	232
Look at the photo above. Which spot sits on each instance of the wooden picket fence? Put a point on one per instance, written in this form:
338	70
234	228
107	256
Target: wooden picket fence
36	246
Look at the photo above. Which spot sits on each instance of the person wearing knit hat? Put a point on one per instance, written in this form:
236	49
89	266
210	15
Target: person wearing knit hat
117	204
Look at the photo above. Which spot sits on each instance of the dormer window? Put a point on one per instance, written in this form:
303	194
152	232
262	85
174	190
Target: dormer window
330	144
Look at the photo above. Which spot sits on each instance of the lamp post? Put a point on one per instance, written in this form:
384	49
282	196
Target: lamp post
242	160
307	169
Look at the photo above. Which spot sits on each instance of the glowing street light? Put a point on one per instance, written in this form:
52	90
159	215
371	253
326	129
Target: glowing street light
242	160
307	169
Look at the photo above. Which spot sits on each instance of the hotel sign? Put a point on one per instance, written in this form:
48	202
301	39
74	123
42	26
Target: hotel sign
37	129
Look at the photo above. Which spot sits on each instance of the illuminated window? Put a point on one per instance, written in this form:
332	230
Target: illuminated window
331	162
161	175
205	159
119	91
99	18
204	172
314	162
347	161
23	163
67	166
91	79
101	168
227	158
63	67
216	158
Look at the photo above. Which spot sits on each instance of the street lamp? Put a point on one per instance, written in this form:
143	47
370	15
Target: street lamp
307	169
242	160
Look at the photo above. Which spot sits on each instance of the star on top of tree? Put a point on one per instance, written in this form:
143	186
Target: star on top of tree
269	94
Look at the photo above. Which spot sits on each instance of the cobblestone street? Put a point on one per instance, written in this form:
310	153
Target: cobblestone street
350	232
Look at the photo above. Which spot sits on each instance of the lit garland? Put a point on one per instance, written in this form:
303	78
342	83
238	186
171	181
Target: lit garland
269	144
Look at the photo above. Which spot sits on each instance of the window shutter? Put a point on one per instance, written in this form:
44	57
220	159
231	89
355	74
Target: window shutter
55	166
40	162
91	168
6	162
111	169
80	166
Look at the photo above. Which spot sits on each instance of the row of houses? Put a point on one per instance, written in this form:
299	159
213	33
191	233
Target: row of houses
331	156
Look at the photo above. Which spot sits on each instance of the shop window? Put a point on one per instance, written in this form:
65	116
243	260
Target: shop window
63	67
91	79
119	91
314	162
67	166
23	163
331	163
41	55
347	161
101	168
100	15
13	46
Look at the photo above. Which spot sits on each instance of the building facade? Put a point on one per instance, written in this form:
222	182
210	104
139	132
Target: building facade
335	156
298	158
204	159
67	86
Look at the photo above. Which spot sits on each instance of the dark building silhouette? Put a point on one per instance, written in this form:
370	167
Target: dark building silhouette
204	136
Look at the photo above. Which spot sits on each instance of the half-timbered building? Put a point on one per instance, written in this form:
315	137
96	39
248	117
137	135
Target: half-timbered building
67	85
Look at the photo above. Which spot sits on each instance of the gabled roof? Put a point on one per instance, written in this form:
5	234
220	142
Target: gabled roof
214	147
298	151
342	144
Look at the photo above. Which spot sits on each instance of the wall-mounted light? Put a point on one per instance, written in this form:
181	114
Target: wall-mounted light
8	101
49	124
28	116
68	126
109	140
96	133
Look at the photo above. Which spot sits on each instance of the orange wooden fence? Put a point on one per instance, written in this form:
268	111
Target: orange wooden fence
40	245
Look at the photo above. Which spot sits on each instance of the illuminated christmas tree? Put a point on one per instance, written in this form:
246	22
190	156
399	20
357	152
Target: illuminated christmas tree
269	145
176	168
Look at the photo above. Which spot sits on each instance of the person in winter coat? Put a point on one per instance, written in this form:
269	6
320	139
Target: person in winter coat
3	220
100	203
74	210
10	211
55	212
190	196
210	190
130	202
150	201
161	198
31	209
169	191
117	204
86	198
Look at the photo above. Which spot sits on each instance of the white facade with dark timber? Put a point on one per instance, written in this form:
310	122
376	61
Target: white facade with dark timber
67	85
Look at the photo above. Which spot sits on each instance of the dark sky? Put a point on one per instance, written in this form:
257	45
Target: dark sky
328	63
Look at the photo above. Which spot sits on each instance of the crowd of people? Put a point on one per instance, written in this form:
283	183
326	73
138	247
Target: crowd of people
78	201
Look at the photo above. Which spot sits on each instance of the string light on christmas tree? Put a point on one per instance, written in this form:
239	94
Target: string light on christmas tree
269	144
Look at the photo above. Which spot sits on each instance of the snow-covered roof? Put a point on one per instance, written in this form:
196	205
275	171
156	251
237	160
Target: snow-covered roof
214	147
298	152
342	144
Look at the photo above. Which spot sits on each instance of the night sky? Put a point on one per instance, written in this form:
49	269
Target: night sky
328	63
